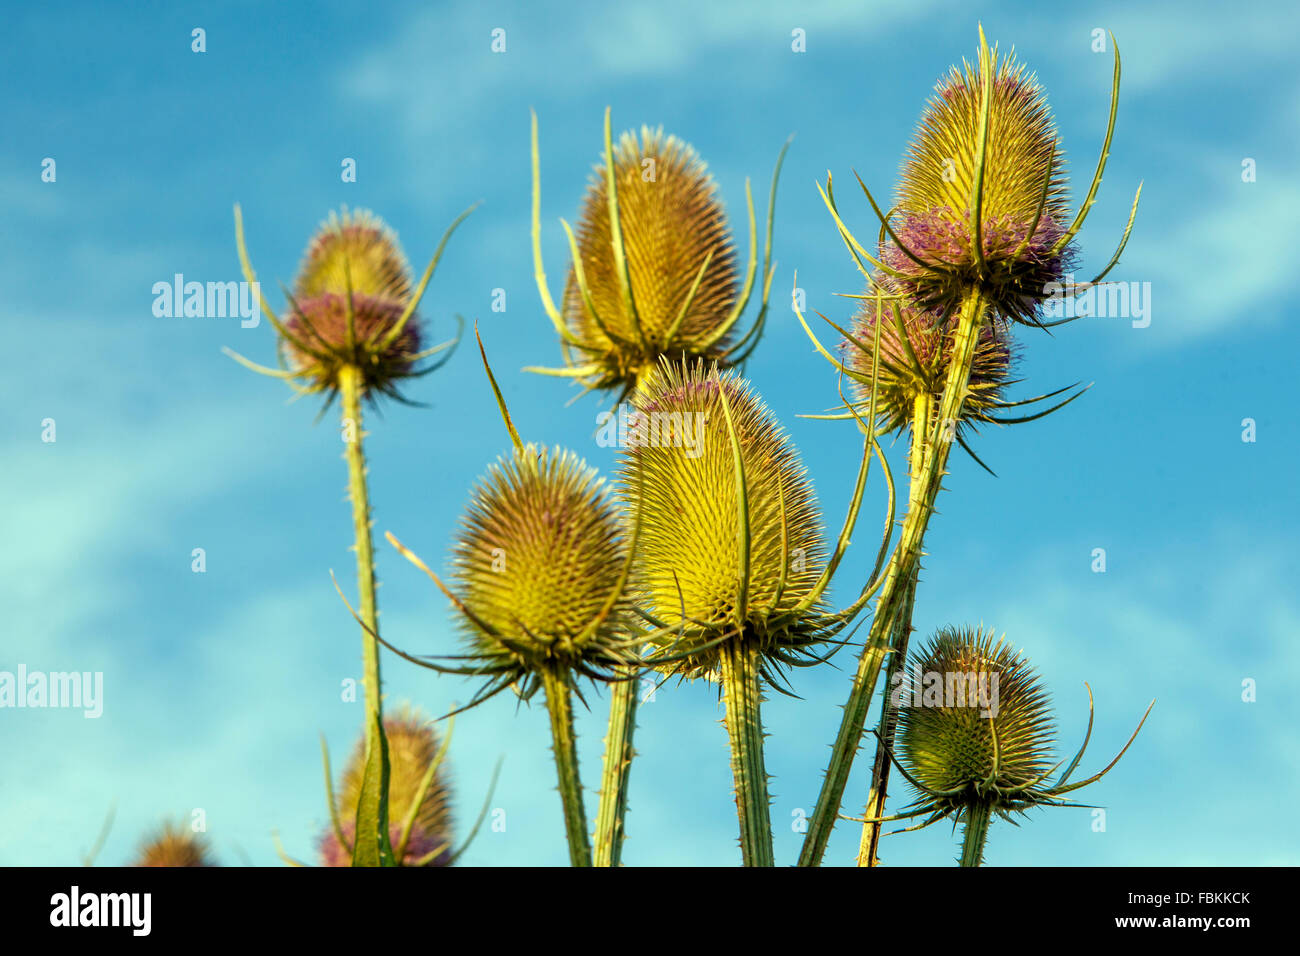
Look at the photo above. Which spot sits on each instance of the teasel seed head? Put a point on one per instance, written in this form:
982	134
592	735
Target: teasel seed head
352	305
698	571
1023	200
353	261
672	222
413	745
541	567
953	745
912	361
359	245
978	736
174	845
653	269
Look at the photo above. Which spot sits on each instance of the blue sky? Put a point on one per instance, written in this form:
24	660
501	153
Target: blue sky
217	685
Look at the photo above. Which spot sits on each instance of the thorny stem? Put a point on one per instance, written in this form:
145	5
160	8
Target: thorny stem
978	818
903	562
559	704
869	849
742	696
610	829
374	802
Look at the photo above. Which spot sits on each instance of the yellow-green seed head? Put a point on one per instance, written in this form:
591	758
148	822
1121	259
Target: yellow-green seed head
680	474
1019	222
540	553
671	221
413	745
980	728
174	845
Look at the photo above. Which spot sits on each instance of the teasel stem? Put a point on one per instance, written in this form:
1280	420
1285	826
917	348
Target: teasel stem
978	817
869	848
902	568
372	809
617	768
559	704
742	695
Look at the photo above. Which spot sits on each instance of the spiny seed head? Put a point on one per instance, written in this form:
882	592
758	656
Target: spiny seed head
360	246
933	218
412	746
916	364
174	845
671	220
680	476
946	739
541	551
358	243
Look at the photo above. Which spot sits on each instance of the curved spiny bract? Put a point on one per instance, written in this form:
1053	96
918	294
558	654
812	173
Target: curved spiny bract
694	559
413	746
1021	189
174	845
914	348
540	557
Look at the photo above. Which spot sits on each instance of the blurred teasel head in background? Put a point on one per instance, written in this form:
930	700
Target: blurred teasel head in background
418	791
174	844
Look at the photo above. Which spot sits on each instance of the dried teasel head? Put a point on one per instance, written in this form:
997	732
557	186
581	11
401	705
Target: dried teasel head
174	844
414	749
731	542
654	269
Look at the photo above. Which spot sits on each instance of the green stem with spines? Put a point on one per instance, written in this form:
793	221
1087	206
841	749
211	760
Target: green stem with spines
372	807
978	817
742	698
617	768
869	848
903	562
559	704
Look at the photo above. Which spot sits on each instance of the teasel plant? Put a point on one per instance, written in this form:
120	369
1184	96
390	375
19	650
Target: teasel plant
731	566
900	353
174	844
653	273
973	755
352	333
541	589
981	241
